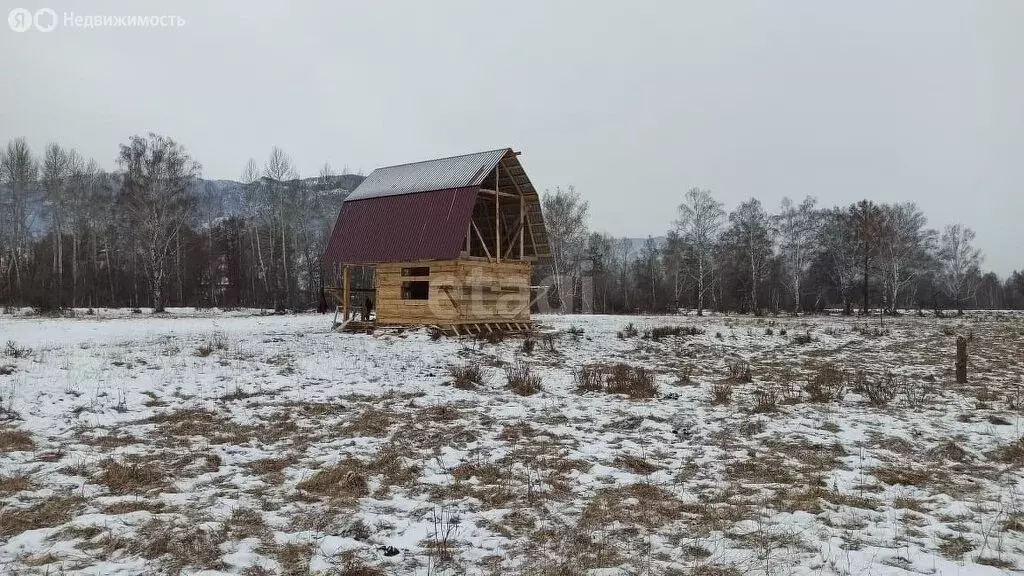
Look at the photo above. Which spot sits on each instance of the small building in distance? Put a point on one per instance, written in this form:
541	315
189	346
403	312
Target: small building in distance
448	243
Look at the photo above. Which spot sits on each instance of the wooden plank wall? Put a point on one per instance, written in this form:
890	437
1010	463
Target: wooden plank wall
461	292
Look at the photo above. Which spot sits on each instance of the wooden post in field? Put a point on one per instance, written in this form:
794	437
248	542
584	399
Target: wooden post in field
961	360
346	275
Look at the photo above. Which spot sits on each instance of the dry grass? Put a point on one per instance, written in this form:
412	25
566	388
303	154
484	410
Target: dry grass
246	523
370	422
129	506
955	547
721	392
588	379
878	390
903	474
178	545
294	558
391	462
53	511
640	504
522	380
15	440
827	385
265	466
14	484
1012	453
467	377
636	465
345	480
634	381
131	477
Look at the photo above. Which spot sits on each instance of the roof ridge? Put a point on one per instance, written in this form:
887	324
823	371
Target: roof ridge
440	159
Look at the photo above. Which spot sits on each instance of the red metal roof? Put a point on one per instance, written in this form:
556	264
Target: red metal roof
402	228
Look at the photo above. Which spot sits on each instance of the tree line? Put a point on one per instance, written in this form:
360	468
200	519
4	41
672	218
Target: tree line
153	234
801	258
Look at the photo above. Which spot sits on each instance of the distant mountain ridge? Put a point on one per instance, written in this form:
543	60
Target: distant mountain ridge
226	198
218	199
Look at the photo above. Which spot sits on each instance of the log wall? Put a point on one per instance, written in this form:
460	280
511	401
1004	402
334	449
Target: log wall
460	292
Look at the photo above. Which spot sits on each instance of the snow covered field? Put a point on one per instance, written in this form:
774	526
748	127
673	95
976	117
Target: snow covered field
240	443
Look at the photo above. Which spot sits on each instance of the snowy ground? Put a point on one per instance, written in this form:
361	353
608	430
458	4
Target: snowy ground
241	443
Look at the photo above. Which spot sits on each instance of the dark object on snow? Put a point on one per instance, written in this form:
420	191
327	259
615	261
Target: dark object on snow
961	360
388	550
367	308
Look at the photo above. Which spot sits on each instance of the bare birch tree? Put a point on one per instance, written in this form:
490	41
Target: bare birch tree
565	217
866	219
699	224
750	236
18	173
279	171
903	242
959	263
797	226
157	194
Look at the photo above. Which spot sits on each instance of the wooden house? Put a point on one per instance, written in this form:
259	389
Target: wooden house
447	243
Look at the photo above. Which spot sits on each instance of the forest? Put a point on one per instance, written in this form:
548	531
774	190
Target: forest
153	233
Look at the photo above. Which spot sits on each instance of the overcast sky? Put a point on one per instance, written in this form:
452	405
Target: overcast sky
631	102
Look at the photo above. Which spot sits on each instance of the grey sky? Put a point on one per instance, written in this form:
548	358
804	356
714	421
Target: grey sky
632	102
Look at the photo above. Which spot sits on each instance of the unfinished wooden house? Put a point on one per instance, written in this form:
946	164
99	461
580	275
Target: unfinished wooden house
447	243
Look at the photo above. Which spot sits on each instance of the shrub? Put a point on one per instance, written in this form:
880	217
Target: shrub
15	351
528	345
549	342
630	331
769	332
766	398
659	332
788	390
494	336
466	377
782	332
916	393
801	339
588	379
685	373
721	392
828	384
879	391
718	335
214	343
739	370
521	379
635	381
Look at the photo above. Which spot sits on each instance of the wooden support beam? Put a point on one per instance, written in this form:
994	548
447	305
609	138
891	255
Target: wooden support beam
512	244
455	304
481	238
533	239
512	178
497	193
522	220
497	218
346	276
